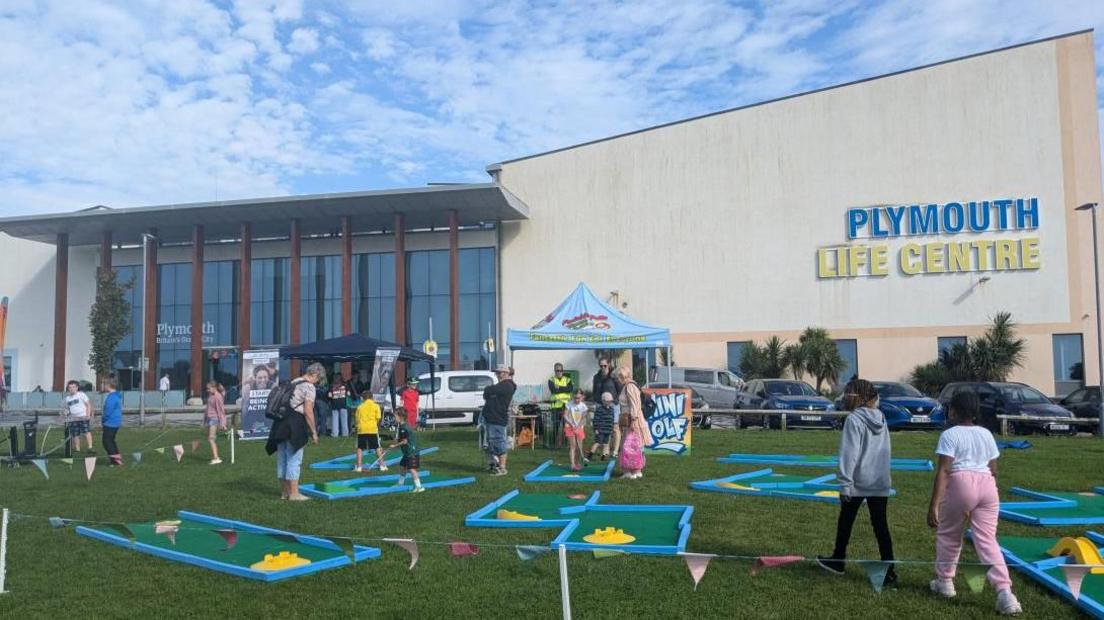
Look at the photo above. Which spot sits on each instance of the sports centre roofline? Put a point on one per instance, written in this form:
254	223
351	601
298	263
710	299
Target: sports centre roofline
422	207
493	168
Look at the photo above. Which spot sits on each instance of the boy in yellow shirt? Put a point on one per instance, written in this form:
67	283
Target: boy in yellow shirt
368	415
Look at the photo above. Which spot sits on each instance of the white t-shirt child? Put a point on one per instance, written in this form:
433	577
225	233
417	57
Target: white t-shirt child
576	414
971	447
77	404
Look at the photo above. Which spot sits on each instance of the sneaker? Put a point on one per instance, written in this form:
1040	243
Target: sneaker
576	468
588	456
638	475
1007	604
498	472
586	461
298	498
215	462
946	589
832	565
358	469
494	461
418	489
383	468
627	476
604	457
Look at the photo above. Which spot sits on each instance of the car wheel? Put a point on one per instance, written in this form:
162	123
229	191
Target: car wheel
706	423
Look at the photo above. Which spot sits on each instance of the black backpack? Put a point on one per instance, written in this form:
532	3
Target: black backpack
279	400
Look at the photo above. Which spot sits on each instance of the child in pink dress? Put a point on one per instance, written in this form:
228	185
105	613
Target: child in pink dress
632	448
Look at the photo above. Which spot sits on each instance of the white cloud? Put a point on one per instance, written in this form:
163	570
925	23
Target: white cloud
320	68
303	41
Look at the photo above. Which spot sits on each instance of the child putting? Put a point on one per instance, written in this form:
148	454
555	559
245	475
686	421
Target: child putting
864	460
965	489
574	424
404	438
367	419
603	425
632	448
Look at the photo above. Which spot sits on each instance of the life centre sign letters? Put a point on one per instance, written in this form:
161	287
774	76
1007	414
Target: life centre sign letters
978	219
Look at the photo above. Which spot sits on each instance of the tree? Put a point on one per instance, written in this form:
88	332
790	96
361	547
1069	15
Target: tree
930	378
823	359
796	358
991	357
752	362
765	361
108	320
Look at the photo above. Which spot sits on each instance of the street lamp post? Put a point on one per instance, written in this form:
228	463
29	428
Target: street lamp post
143	362
1091	208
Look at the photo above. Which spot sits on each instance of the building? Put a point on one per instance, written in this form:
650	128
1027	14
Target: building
900	212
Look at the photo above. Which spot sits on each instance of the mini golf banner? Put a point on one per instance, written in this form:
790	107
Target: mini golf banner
260	373
381	373
670	421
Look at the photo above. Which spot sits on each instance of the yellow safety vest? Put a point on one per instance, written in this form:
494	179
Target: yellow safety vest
560	400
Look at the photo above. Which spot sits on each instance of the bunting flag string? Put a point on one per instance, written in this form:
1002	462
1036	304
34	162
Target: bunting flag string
975	577
89	466
122	529
528	552
159	450
876	572
410	546
697	563
67	461
230	536
137	456
1075	574
169	530
178	450
41	465
461	549
773	561
58	522
346	545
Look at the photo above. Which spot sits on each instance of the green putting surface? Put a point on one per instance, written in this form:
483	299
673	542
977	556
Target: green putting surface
352	485
199	539
649	528
593	469
541	505
1092	586
1027	548
774	479
1087	506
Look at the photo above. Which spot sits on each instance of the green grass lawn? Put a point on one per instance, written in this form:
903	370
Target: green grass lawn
55	573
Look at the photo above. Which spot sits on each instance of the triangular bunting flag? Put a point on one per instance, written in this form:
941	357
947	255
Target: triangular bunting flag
168	530
121	529
137	456
41	465
230	536
346	545
601	554
975	576
67	462
1074	575
195	445
289	539
697	563
58	522
178	450
461	549
159	450
410	546
876	572
528	552
89	466
772	561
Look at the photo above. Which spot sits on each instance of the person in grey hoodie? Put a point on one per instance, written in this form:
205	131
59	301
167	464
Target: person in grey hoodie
863	475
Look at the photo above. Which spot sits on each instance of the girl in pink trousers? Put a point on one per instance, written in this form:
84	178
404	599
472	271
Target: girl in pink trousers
632	449
966	489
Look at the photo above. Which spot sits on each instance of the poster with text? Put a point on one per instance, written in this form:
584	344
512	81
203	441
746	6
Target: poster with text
670	421
260	373
381	373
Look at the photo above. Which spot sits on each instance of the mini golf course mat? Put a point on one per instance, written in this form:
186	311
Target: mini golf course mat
198	543
517	510
348	462
1031	556
585	523
374	485
1020	444
766	483
550	472
1054	508
814	460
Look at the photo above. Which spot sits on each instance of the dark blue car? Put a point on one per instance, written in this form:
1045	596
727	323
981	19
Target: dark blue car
789	395
905	407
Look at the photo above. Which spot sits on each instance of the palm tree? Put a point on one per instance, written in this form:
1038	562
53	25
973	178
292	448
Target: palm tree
998	352
796	358
752	361
774	354
823	357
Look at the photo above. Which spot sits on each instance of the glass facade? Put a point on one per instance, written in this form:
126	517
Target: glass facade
849	351
129	348
174	323
319	298
946	343
477	305
1069	363
735	352
374	295
270	302
427	298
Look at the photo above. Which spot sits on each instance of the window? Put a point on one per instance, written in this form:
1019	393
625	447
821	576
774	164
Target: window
1069	363
946	343
1078	397
427	301
174	323
270	301
320	298
736	355
129	349
722	378
470	383
374	295
429	387
6	379
477	304
849	351
697	376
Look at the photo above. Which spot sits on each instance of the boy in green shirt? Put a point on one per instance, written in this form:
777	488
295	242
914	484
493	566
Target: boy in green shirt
405	439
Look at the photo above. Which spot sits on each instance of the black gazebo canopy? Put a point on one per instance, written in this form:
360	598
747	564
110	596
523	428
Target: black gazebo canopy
351	348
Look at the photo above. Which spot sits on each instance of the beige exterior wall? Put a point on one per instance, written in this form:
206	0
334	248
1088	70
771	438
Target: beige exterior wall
710	226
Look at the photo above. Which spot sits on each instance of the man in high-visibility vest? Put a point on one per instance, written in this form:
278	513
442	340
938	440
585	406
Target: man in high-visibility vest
562	387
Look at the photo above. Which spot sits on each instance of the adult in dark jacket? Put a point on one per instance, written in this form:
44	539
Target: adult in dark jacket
496	415
604	382
290	434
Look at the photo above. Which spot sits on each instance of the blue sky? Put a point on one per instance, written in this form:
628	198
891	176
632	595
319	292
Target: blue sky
143	102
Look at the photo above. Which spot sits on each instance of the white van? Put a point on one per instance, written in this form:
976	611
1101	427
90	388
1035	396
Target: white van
717	386
454	396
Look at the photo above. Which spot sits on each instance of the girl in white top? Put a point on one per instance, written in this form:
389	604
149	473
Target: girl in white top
574	417
966	490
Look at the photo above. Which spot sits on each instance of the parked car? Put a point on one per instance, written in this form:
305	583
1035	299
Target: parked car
717	386
1012	399
701	417
453	396
1083	402
785	394
905	407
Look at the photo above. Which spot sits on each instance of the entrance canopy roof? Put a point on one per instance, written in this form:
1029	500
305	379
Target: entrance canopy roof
371	211
582	321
